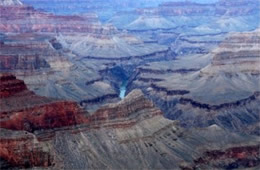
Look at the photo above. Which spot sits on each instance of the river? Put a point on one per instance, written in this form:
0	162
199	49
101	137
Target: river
123	89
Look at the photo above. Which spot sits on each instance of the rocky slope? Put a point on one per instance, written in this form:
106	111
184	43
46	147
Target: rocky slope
21	109
112	45
133	132
104	9
51	70
13	18
191	17
54	58
223	85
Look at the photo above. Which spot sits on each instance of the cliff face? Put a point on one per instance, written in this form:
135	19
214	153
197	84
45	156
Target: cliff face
222	84
18	149
36	21
55	134
134	108
191	95
191	18
21	109
231	8
10	85
14	62
238	53
236	157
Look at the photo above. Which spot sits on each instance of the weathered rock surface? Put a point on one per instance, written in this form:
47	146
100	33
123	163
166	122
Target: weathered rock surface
169	52
53	72
235	157
221	87
191	17
21	109
14	17
19	149
133	132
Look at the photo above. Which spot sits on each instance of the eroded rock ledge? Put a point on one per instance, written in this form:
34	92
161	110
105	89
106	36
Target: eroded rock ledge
21	109
242	157
208	107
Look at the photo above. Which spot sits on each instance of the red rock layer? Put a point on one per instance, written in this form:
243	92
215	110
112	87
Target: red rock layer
129	108
27	19
24	62
9	85
46	116
23	110
24	153
235	157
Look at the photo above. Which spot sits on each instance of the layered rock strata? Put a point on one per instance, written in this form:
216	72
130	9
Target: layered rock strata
223	84
133	127
21	109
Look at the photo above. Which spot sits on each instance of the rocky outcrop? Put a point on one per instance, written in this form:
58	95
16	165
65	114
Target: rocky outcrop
93	81
10	85
23	62
209	107
21	109
115	45
232	8
221	87
185	8
237	53
37	21
129	109
154	143
112	130
144	56
18	149
99	99
154	71
191	17
235	157
169	92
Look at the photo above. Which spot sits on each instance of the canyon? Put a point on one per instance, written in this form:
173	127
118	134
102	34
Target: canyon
205	87
129	85
51	138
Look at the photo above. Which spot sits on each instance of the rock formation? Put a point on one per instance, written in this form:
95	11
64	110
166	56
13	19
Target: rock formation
133	131
21	109
204	85
192	87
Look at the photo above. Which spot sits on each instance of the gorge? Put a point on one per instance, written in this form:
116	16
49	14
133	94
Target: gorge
121	84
